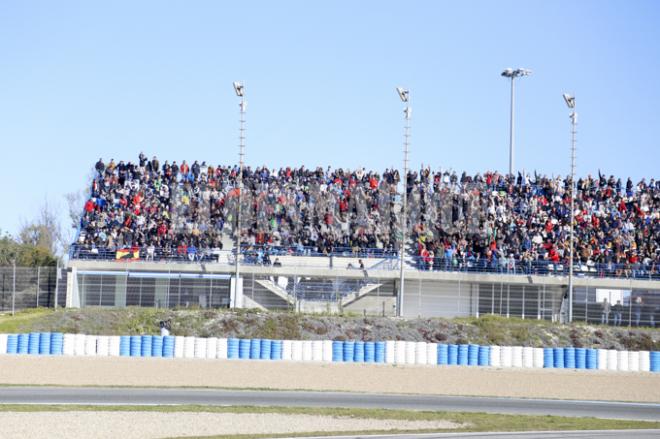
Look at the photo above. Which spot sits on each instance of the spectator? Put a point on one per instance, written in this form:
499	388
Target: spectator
605	312
617	309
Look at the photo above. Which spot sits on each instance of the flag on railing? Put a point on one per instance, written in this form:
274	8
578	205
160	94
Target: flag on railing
128	254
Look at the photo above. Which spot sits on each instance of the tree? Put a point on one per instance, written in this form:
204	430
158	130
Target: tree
24	255
44	232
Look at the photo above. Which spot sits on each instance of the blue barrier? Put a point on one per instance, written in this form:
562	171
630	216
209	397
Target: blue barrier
379	352
44	343
243	348
23	342
484	356
358	352
136	346
558	358
168	346
462	354
569	358
156	346
265	349
146	342
443	354
452	355
124	345
276	350
580	358
337	351
369	351
655	361
233	348
548	358
592	359
33	343
56	343
349	351
12	344
255	349
473	355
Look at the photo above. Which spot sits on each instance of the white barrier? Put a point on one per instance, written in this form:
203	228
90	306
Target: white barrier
506	357
622	361
327	351
400	352
538	358
212	348
420	353
612	363
317	350
103	346
296	350
3	344
200	347
389	352
307	350
517	356
189	347
602	359
179	346
79	344
527	357
113	345
633	361
221	349
495	356
432	353
90	345
68	344
287	351
410	348
644	361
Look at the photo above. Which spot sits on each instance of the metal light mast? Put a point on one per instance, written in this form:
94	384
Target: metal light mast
513	74
240	92
570	103
404	95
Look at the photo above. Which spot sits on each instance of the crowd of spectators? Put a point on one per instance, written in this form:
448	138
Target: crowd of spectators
489	220
508	223
181	208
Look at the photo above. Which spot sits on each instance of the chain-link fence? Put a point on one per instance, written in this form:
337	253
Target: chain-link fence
31	287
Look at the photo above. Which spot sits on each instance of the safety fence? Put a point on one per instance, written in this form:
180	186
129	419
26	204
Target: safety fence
375	352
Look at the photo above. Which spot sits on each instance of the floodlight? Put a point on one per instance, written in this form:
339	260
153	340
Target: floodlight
523	72
570	100
408	112
508	72
403	93
238	88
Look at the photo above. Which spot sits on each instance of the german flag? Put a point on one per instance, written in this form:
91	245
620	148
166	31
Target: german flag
128	254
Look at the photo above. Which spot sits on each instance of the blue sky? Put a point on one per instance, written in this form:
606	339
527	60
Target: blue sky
81	80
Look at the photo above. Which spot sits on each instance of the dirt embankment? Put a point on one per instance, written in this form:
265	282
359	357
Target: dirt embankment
284	325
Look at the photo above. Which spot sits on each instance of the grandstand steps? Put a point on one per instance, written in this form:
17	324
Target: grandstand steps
354	296
249	303
276	289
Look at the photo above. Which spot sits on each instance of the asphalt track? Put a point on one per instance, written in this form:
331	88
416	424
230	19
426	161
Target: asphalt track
167	396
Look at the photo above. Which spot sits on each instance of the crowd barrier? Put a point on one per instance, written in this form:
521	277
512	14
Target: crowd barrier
329	351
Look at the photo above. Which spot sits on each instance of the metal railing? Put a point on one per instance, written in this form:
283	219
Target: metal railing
31	287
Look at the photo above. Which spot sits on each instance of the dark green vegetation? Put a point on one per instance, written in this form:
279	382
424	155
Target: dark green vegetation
288	325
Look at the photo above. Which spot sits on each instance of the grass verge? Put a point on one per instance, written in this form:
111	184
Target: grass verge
473	422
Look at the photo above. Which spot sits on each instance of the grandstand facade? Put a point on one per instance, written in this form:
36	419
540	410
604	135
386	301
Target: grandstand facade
155	234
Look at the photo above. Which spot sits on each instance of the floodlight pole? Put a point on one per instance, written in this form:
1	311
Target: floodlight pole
573	117
511	122
239	185
404	203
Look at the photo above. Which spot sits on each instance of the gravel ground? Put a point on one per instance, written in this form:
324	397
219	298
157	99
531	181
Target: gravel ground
430	380
141	425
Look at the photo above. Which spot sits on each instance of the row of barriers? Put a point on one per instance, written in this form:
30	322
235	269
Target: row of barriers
384	352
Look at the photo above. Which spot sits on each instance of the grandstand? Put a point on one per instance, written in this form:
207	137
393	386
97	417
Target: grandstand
327	239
